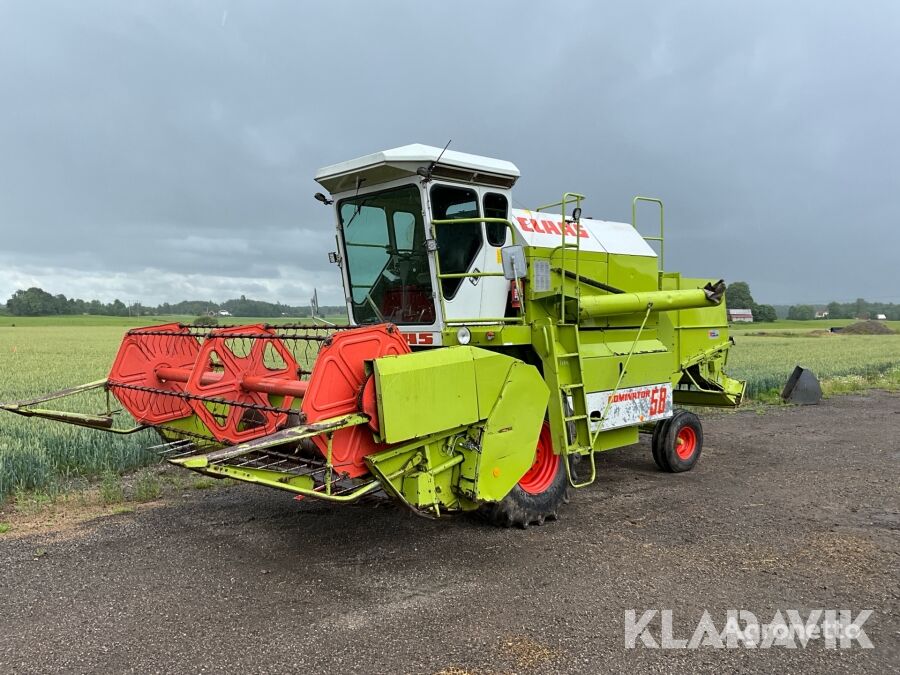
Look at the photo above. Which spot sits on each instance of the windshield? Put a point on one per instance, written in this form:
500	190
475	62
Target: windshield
387	265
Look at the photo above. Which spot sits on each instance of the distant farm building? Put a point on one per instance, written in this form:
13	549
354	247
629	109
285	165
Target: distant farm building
224	312
740	315
821	313
880	317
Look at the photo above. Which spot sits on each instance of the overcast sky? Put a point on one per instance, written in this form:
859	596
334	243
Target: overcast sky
158	151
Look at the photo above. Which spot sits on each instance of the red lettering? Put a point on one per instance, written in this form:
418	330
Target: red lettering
582	232
550	227
523	223
570	231
536	226
419	338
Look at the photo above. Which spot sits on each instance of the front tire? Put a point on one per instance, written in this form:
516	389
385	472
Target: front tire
539	493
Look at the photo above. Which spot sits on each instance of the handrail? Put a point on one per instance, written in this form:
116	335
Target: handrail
464	221
652	200
563	202
362	244
465	275
568	198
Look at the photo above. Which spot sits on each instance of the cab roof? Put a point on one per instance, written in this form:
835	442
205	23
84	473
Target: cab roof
387	165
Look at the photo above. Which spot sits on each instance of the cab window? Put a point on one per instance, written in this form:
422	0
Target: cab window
495	206
387	263
458	245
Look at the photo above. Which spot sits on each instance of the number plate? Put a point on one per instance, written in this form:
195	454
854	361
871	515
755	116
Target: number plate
635	405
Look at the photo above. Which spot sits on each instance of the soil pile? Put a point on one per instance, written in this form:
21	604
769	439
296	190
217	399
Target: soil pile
867	328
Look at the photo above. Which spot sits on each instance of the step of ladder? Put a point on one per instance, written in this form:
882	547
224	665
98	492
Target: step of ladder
569	387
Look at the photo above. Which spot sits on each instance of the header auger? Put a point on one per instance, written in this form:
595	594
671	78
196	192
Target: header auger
488	349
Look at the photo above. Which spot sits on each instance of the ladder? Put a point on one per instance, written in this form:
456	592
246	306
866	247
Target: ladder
569	406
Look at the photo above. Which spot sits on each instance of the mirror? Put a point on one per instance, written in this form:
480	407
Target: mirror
576	214
513	258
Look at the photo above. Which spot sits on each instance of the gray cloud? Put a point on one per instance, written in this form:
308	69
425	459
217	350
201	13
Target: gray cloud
156	151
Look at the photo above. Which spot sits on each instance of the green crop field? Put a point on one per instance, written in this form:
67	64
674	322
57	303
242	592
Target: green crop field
801	326
39	355
847	361
43	354
42	358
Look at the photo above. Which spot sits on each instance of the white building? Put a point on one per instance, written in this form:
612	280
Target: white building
740	315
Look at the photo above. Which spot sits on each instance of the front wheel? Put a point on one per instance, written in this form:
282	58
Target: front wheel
538	495
678	443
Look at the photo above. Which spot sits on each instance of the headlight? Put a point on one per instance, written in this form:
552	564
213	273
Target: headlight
463	336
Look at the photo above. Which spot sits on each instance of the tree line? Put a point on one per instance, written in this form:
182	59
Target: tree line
738	296
858	309
38	302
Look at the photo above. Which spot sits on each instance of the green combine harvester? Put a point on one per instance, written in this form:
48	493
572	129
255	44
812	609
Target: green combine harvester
490	352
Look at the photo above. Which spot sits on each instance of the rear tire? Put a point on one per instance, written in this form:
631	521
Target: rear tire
538	495
679	443
658	432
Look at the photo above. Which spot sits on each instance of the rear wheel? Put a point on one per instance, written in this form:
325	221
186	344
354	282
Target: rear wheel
678	445
658	432
539	493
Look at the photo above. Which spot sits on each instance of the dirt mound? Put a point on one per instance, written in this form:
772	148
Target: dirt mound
867	328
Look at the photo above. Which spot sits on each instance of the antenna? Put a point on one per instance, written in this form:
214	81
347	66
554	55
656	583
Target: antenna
442	153
426	173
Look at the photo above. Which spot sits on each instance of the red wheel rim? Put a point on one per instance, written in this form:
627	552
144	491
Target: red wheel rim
685	443
546	464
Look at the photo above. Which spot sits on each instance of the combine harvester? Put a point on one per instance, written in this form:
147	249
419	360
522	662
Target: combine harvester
489	349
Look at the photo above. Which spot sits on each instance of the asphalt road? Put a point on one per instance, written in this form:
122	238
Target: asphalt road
795	508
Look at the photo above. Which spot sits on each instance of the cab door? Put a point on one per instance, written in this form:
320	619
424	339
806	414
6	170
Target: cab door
460	249
494	290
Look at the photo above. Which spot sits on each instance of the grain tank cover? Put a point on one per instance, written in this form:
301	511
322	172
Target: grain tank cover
387	165
601	236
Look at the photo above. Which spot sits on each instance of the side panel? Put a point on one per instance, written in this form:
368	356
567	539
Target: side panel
699	340
425	392
509	442
633	274
474	411
689	331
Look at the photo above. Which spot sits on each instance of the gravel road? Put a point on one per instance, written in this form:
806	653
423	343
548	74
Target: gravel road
791	508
